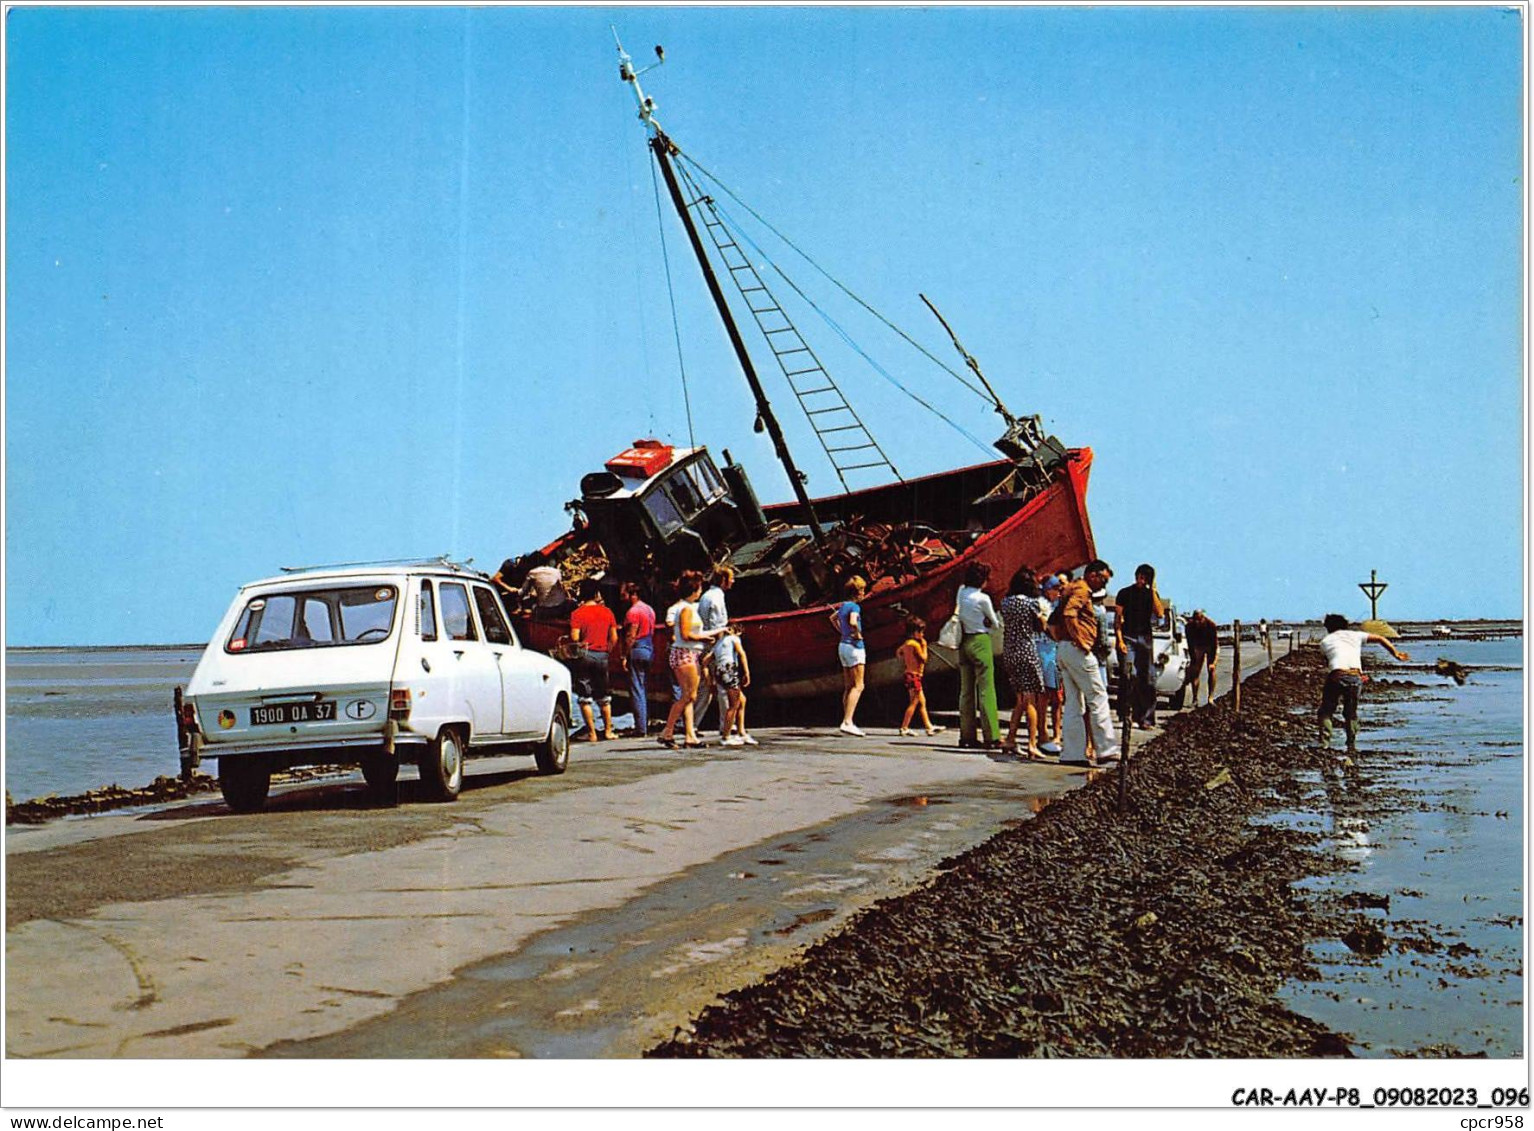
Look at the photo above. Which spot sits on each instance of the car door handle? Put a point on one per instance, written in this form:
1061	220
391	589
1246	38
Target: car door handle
458	652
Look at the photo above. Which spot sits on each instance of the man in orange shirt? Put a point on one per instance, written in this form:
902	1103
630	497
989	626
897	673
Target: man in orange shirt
1086	689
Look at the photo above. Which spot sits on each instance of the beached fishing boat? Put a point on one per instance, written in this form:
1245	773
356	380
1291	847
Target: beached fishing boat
655	510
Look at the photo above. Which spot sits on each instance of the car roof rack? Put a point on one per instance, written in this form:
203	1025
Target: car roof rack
441	560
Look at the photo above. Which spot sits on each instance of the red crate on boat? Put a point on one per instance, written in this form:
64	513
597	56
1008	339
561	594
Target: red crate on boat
641	461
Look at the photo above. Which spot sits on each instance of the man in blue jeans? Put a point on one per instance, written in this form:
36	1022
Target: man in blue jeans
1139	609
638	652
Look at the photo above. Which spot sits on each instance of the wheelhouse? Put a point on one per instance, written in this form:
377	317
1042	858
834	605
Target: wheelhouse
655	507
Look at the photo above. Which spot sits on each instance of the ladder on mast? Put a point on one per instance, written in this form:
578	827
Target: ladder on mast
846	440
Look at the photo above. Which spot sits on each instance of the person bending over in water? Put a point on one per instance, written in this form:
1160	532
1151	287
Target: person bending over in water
1343	648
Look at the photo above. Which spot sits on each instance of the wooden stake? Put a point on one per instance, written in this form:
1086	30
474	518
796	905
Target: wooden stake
1235	673
1126	728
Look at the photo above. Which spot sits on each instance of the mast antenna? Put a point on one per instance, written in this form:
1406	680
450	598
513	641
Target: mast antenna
663	147
628	74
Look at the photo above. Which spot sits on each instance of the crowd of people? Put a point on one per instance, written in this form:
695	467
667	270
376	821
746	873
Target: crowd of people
1057	645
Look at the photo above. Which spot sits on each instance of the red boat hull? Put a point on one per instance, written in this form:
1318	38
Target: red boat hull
793	654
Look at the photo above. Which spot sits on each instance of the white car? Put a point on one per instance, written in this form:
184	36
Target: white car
371	665
1170	650
1172	661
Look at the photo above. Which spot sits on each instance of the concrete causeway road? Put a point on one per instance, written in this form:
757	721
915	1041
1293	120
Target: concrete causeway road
578	916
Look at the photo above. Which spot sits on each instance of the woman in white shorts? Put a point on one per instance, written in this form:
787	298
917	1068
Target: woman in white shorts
688	642
848	620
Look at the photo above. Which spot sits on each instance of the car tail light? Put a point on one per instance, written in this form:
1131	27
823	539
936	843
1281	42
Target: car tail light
399	703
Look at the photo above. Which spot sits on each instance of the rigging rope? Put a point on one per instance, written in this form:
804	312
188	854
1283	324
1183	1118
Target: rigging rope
714	224
676	329
740	234
839	284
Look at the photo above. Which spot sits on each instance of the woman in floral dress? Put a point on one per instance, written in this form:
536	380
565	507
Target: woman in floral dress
1020	615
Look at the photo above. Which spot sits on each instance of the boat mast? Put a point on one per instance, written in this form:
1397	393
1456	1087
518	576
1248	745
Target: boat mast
969	360
1024	438
663	148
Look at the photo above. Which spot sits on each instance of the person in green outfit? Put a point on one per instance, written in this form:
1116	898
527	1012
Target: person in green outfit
977	674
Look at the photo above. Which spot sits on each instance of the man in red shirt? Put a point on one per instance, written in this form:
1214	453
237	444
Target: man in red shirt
595	631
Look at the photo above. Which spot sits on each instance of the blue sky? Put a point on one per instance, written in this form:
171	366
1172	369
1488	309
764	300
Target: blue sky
289	286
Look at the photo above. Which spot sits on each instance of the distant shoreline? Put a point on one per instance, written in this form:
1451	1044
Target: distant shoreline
1470	624
193	647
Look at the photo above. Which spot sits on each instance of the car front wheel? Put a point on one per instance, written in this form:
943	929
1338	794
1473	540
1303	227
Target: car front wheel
442	766
244	782
553	753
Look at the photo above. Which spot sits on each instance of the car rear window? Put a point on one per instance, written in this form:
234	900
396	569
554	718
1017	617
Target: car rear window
496	631
317	618
456	620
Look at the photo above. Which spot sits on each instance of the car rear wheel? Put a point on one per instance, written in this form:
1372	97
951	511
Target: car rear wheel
244	782
1178	698
381	772
553	753
442	766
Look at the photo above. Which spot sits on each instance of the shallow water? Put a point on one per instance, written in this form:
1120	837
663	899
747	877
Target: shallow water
80	718
1432	817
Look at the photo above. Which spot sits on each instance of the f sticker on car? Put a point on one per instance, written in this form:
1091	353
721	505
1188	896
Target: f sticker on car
360	709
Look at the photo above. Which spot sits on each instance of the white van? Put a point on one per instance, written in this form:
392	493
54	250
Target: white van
372	665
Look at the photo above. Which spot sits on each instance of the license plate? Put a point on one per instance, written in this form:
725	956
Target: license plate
292	713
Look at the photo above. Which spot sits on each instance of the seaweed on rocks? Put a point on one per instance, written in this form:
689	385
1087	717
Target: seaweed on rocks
39	810
1163	930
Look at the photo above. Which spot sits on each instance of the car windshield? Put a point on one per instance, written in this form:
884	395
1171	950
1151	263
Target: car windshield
315	618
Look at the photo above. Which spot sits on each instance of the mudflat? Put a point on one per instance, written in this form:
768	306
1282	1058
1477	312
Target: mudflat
1169	926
